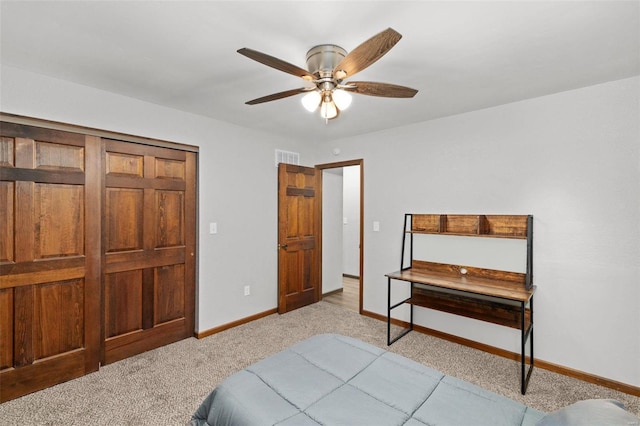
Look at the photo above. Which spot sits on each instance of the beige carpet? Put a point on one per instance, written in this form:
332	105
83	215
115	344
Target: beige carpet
165	386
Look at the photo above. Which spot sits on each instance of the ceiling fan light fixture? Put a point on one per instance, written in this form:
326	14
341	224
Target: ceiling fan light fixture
327	66
328	109
342	99
311	100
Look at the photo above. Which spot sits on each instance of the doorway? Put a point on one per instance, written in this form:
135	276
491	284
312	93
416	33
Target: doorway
342	233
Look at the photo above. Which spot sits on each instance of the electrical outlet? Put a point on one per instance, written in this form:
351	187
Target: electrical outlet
247	290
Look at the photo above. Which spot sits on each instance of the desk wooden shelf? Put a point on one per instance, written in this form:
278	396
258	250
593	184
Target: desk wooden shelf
499	297
494	226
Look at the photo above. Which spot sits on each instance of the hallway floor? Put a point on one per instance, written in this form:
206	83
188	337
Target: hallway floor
347	298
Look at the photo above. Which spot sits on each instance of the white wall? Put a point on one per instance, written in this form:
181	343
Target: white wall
236	173
570	159
351	230
331	230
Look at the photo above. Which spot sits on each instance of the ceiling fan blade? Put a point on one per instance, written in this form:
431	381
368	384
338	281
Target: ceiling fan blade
276	63
367	53
386	90
277	96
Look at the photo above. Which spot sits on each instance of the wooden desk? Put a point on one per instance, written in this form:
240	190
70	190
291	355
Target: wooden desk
488	295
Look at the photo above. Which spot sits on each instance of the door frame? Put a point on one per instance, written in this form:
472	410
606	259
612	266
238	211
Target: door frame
336	165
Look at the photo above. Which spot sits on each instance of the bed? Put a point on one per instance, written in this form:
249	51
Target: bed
331	379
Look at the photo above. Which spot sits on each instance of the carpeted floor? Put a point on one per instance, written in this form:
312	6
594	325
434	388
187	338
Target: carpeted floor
166	385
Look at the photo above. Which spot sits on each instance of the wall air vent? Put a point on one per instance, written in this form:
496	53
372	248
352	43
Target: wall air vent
287	157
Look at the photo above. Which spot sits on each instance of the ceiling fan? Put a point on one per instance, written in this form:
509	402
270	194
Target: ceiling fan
328	66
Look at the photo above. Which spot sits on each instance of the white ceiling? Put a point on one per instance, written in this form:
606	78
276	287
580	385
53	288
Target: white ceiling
461	56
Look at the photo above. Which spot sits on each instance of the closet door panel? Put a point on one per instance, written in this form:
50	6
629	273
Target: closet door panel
6	328
169	293
149	235
124	208
59	220
123	302
169	219
48	258
58	319
7	220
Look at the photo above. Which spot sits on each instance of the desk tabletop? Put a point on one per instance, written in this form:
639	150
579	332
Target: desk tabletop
471	284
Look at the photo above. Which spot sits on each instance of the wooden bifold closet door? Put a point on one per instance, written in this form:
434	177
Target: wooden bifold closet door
97	251
49	258
148	239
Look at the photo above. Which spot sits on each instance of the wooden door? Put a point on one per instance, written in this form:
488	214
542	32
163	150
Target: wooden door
148	247
49	258
298	237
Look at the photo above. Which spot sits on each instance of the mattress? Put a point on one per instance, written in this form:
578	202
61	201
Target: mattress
331	379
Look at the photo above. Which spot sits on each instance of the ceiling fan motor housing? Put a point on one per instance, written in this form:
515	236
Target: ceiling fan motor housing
322	59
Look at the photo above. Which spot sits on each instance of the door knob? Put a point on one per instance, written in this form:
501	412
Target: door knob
283	246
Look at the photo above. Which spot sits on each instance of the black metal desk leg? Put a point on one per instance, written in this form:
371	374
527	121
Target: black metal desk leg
388	311
390	307
411	309
531	337
526	333
523	333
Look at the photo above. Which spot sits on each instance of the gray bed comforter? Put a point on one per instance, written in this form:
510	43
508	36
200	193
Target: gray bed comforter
336	380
